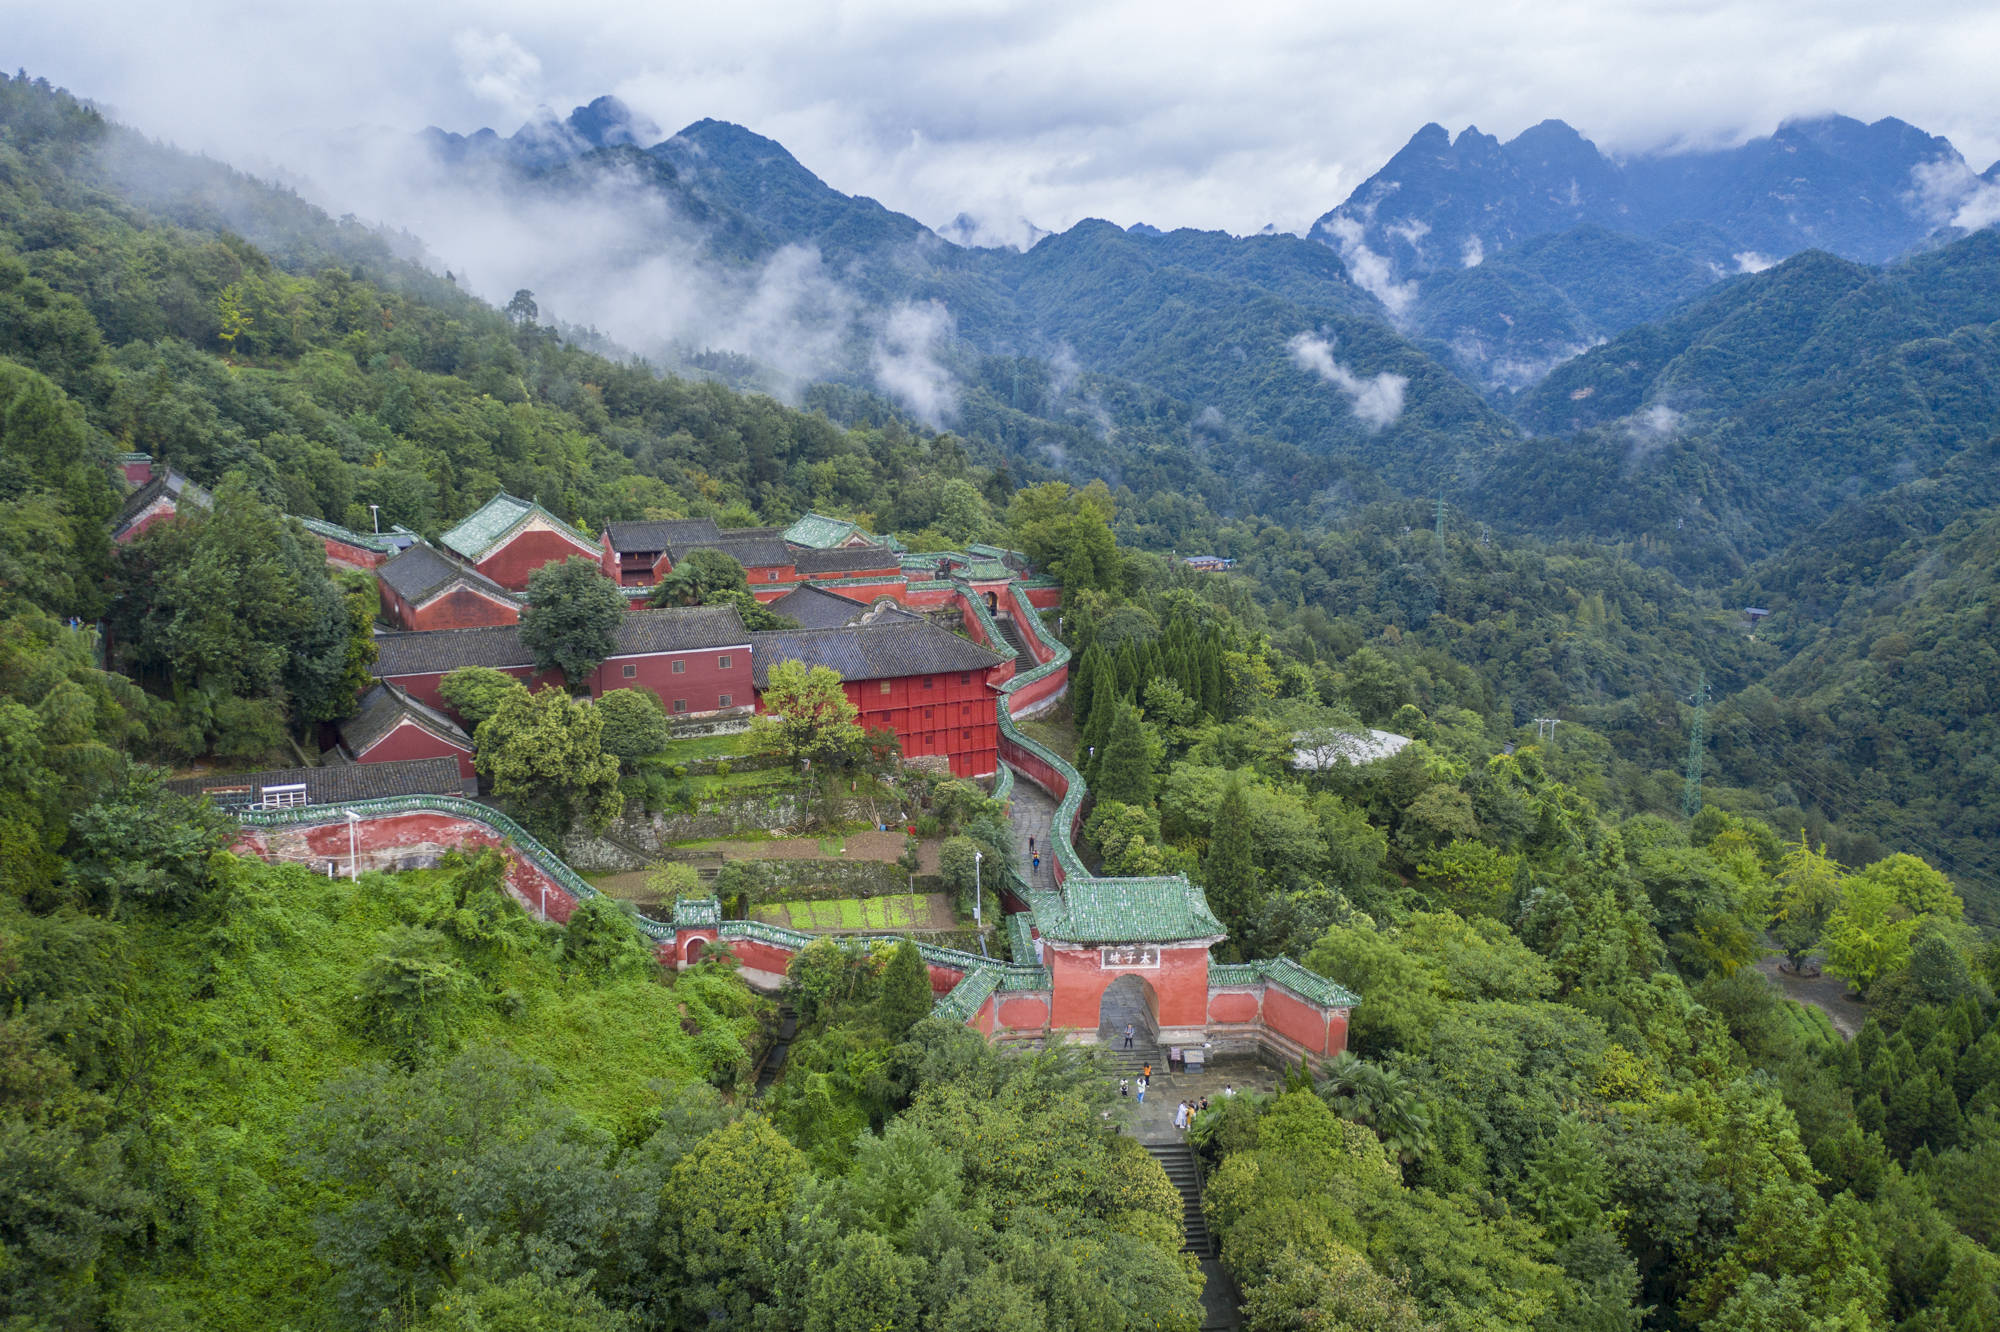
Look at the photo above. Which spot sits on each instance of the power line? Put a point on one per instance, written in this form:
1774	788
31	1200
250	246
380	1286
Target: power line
1833	795
1697	739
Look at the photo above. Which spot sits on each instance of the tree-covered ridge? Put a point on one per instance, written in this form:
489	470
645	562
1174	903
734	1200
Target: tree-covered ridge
1719	433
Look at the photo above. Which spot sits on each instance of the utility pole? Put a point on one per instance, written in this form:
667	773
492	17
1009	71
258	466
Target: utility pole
1697	740
1545	728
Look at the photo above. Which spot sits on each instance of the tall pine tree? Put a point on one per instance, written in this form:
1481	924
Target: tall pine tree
1125	766
906	989
1096	733
1228	873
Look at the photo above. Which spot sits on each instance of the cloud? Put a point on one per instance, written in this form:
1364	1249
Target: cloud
1475	252
1373	273
1175	112
499	70
906	365
1953	195
1650	429
1376	401
1749	261
604	249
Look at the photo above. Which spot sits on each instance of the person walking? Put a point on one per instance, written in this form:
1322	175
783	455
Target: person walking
1180	1116
1142	1090
1129	1032
1147	1072
1038	865
1124	1087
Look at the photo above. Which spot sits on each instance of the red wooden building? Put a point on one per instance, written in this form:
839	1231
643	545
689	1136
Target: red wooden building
640	554
392	725
424	588
932	688
507	539
696	658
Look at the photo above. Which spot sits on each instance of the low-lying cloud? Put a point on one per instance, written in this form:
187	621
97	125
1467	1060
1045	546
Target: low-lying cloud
1376	401
907	364
1374	273
605	248
1953	195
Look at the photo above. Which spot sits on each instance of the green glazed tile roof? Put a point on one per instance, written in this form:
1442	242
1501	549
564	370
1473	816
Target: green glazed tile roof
696	912
1155	910
362	540
1020	934
492	521
821	532
1283	971
962	1004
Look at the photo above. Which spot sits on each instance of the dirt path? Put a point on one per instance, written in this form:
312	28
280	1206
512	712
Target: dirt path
1826	993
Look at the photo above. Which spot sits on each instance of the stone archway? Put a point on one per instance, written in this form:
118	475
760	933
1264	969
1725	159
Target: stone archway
1131	998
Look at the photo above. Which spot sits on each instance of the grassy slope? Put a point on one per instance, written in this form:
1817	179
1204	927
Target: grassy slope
252	1016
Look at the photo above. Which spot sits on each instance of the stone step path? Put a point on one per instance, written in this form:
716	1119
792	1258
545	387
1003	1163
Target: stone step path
1017	639
773	1064
1177	1159
1033	811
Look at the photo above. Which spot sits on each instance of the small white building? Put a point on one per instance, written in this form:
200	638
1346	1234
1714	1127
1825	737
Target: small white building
1318	751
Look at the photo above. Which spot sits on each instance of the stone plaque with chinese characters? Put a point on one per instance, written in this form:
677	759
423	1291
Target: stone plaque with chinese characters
1132	955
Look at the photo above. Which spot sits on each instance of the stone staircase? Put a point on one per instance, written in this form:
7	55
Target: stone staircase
1177	1159
1018	640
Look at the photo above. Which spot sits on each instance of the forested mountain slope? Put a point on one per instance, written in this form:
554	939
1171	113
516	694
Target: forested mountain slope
1723	430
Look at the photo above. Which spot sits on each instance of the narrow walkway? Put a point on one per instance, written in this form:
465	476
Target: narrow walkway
1033	810
773	1063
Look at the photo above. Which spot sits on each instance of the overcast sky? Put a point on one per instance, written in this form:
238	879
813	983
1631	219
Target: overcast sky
1207	114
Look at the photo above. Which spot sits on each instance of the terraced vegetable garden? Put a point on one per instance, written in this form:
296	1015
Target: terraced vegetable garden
899	911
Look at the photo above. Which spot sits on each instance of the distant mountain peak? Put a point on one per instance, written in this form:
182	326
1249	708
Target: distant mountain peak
606	122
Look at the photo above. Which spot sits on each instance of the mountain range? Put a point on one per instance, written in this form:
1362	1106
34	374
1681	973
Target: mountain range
1666	348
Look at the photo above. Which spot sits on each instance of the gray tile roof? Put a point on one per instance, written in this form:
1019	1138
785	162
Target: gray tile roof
751	552
817	608
435	651
422	570
170	483
841	559
324	786
660	534
673	629
384	708
891	647
680	629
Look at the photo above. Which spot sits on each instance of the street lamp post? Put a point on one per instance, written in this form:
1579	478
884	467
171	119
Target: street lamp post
375	512
978	900
353	847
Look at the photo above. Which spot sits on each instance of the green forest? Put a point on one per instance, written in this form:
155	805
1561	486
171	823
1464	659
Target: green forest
1577	1096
